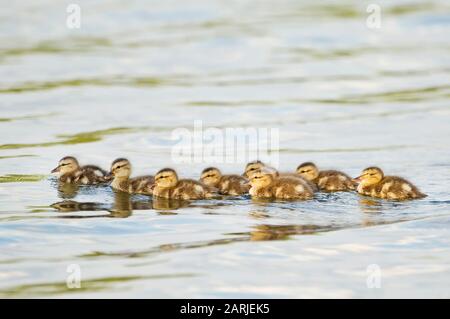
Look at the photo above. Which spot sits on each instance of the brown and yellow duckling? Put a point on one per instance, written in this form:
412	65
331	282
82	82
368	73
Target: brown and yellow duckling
167	185
253	167
121	171
265	185
256	166
372	182
225	184
329	180
70	171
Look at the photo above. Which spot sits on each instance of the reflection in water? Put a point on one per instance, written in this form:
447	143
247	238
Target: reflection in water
370	206
74	206
282	232
165	248
262	201
259	214
169	204
67	190
260	233
123	206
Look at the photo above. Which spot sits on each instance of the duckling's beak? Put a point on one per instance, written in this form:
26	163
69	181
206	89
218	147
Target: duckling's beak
109	175
358	179
56	169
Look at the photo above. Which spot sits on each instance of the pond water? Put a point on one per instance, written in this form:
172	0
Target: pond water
341	94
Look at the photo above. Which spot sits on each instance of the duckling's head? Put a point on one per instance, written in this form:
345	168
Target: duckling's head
121	168
251	167
166	178
370	176
66	165
262	178
211	176
308	170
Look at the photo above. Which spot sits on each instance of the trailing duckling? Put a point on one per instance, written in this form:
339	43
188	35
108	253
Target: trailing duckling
372	182
70	171
265	185
225	184
329	180
121	171
167	185
256	166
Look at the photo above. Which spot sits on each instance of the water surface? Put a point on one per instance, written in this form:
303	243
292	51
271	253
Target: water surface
342	95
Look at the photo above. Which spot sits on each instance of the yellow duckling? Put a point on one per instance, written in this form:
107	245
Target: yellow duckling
69	171
121	171
372	182
256	166
167	185
225	184
265	185
329	181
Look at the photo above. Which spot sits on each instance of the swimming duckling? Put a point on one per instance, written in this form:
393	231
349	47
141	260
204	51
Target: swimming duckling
329	181
226	184
256	166
252	167
167	185
265	185
121	171
70	171
372	182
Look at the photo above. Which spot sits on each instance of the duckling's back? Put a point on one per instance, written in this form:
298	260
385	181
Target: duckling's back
290	187
311	185
331	180
191	189
91	174
394	187
233	185
142	185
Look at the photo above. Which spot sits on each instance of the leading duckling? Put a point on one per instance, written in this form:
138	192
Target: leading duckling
167	185
226	184
265	185
69	171
256	166
372	182
121	171
329	180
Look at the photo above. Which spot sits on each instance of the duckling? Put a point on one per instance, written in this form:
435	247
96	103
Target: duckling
71	172
256	166
252	167
226	184
329	181
265	185
372	182
121	171
167	185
